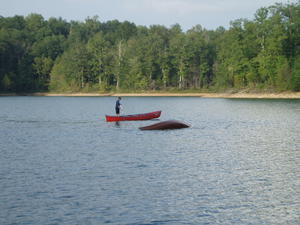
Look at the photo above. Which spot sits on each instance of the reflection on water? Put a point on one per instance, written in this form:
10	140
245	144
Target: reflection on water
61	163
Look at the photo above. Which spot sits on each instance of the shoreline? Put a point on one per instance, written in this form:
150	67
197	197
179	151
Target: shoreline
241	95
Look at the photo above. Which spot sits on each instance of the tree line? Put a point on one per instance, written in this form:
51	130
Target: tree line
56	55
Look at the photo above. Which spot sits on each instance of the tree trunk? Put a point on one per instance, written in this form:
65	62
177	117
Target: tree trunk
181	78
82	84
119	65
165	77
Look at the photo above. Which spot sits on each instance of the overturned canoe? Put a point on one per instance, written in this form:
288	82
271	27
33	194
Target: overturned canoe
143	116
169	124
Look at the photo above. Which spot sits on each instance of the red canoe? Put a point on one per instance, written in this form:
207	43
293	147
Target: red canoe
143	116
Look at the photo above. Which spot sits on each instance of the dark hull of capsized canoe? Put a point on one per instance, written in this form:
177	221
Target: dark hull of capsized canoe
169	124
143	116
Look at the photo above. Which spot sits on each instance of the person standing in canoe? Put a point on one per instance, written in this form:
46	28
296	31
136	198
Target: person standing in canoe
118	106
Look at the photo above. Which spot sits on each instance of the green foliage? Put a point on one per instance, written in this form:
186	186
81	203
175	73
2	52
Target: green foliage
6	82
43	67
295	80
56	55
98	48
58	81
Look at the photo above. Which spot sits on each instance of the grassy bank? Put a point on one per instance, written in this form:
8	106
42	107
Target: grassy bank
281	95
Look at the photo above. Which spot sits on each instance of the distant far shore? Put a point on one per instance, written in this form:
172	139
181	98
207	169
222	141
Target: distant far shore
281	95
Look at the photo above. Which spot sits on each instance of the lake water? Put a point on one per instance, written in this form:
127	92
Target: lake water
61	163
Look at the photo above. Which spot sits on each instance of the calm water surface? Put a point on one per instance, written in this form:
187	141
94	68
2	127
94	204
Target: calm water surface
61	163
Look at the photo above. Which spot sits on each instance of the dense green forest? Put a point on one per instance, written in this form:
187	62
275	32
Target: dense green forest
56	55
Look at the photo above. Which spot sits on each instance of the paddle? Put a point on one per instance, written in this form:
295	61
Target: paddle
121	109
